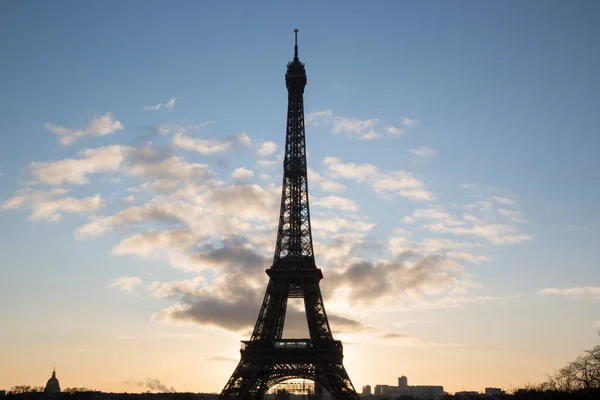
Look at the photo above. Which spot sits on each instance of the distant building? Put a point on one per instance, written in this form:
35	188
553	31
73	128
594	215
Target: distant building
366	390
52	386
2	393
494	391
381	390
423	392
403	381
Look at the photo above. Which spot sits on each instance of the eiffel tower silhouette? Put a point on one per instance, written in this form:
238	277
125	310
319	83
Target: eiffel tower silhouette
267	359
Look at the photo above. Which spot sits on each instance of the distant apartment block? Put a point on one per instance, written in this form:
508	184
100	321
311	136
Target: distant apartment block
422	392
403	381
366	390
418	392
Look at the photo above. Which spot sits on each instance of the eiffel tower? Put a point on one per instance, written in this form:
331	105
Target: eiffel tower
267	359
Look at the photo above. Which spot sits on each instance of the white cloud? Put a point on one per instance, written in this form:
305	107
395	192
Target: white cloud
169	105
277	161
75	171
423	151
386	185
50	205
202	146
126	283
362	129
501	230
356	128
336	203
210	146
592	292
358	172
402	246
326	185
437	213
242	174
100	126
266	149
212	208
393	131
164	174
409	220
409	122
158	245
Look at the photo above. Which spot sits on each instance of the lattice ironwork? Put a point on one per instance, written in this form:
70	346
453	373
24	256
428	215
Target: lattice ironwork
267	359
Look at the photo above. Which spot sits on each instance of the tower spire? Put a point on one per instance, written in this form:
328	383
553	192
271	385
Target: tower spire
296	45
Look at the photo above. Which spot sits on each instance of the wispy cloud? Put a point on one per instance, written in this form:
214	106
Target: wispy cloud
318	117
361	129
387	185
50	205
100	126
166	129
126	283
223	359
507	201
210	146
584	292
169	105
337	203
423	151
409	122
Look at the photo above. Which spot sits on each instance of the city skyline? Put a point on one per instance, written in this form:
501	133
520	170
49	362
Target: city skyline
451	172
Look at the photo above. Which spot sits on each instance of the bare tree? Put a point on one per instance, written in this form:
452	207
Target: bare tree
20	389
76	390
581	374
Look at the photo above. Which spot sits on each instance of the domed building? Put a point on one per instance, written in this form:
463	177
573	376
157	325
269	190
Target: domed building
52	386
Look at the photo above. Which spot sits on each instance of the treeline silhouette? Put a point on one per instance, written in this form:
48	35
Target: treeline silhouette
97	395
522	394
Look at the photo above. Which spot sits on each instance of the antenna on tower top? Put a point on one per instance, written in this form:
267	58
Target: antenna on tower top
296	44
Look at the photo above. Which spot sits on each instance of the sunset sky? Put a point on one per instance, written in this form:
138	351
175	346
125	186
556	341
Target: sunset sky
454	181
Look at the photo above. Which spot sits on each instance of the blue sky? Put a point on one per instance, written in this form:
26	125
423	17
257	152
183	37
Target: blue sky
453	185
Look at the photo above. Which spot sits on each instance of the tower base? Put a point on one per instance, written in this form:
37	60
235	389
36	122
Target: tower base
264	364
